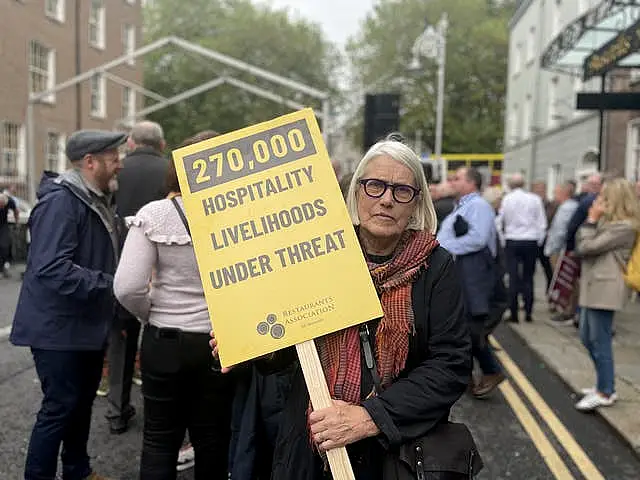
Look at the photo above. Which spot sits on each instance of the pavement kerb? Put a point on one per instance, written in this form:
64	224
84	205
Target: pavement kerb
559	347
4	332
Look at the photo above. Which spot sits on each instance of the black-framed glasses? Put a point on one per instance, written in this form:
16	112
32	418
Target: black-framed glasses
375	188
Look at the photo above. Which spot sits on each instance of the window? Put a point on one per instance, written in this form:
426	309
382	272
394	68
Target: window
526	118
96	24
52	151
128	105
531	45
55	9
98	96
10	149
555	18
554	177
42	69
583	6
517	59
633	151
513	126
129	41
131	2
553	102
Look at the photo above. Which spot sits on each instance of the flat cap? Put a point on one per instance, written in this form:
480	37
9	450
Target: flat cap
84	142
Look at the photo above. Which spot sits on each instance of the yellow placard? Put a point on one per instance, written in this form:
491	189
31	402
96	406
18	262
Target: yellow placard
279	259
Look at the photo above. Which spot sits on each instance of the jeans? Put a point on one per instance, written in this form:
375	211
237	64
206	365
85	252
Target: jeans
69	380
182	391
486	359
480	347
521	264
595	333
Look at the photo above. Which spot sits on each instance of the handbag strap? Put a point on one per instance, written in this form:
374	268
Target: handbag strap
181	214
369	358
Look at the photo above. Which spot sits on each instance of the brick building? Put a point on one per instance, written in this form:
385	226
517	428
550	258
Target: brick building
45	42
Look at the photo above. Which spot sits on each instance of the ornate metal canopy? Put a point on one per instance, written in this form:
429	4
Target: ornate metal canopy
597	41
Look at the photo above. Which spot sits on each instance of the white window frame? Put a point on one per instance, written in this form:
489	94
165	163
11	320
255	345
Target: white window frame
18	150
128	105
129	41
632	164
101	110
59	13
49	73
97	21
52	159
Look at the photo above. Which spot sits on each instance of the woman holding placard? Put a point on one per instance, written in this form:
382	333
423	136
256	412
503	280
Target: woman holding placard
393	380
158	281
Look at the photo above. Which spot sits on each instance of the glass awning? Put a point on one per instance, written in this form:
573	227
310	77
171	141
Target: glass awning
588	33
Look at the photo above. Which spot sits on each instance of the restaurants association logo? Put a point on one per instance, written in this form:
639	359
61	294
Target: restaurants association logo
270	326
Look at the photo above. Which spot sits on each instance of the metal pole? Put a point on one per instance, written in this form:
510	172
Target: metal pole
442	60
31	167
601	132
326	121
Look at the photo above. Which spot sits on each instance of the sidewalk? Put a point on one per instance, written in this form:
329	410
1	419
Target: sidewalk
562	351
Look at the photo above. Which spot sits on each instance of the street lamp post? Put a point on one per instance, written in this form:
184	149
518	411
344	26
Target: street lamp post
432	43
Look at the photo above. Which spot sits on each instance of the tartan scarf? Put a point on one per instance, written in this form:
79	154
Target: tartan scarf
340	351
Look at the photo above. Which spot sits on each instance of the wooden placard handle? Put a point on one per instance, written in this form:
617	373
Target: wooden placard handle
320	398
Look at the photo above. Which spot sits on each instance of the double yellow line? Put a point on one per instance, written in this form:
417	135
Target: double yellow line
557	466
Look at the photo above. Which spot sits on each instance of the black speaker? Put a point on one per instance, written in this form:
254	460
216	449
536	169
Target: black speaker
381	117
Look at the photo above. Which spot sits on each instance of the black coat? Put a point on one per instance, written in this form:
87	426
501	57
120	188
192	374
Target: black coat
437	372
141	180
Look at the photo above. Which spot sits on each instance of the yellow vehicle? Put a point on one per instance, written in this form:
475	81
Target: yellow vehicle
489	164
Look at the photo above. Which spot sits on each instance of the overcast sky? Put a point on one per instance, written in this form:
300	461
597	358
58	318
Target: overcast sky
339	18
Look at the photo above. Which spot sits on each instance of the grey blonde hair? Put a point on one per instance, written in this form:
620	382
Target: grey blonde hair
147	133
424	215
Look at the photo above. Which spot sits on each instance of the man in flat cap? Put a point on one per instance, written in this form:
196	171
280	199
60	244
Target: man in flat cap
66	303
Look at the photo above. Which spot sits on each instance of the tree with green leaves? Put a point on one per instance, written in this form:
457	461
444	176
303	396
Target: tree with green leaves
257	34
476	68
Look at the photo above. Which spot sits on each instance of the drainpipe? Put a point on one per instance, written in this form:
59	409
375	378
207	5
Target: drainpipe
78	66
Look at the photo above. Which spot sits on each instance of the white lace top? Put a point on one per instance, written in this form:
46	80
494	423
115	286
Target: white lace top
157	279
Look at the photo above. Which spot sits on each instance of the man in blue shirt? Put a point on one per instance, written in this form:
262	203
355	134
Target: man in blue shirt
469	233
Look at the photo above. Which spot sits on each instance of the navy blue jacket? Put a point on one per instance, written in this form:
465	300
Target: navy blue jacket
66	300
578	218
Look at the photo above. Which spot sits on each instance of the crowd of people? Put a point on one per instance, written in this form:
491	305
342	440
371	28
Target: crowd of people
111	255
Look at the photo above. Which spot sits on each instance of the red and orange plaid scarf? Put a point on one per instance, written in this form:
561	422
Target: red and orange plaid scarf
340	352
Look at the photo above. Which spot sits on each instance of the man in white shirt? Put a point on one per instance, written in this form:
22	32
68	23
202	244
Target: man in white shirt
523	223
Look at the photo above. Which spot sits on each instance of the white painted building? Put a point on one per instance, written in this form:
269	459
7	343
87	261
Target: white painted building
546	138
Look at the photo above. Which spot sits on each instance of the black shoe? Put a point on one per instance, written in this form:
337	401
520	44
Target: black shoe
528	319
512	319
119	425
